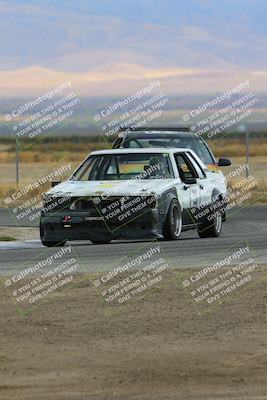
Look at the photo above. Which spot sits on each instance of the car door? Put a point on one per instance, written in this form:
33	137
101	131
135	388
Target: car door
188	192
206	185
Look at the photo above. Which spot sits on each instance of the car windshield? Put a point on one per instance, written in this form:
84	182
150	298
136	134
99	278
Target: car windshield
170	141
124	166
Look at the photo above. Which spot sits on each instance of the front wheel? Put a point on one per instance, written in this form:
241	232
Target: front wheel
173	224
211	228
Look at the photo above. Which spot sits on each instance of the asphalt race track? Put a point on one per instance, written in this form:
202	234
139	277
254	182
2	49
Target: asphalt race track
245	225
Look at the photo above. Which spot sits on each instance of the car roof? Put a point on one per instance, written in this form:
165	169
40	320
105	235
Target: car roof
157	133
143	150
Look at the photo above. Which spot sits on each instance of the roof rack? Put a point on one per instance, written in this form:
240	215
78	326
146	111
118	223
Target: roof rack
156	128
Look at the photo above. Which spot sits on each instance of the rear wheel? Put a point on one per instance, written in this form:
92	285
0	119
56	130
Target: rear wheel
48	243
211	228
173	224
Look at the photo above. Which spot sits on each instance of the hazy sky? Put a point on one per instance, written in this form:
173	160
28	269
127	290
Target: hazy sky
114	46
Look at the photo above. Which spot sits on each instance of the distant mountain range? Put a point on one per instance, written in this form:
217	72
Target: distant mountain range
82	123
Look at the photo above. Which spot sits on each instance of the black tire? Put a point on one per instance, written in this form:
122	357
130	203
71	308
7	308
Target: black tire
50	244
101	241
211	228
173	224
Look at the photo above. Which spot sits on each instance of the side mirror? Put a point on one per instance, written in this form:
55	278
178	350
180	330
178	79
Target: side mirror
190	181
53	184
224	162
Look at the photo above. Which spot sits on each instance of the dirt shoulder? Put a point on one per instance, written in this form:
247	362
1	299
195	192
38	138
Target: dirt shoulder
157	348
18	233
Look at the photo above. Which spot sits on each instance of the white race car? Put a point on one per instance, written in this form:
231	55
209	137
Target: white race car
134	194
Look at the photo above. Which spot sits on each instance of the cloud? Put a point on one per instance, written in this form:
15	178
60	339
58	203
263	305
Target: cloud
81	36
197	46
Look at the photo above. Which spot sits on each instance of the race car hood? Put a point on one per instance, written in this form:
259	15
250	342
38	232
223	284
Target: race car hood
111	188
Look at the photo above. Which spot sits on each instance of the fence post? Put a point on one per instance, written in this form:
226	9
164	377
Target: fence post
17	160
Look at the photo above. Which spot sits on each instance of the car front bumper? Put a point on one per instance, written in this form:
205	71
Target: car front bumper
73	225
